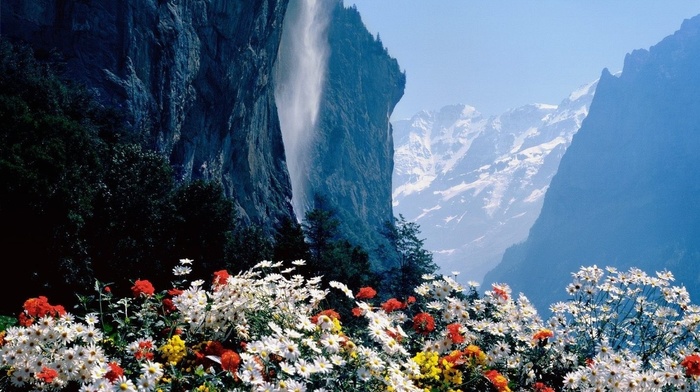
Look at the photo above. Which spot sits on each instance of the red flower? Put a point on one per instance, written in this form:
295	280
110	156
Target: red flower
542	387
39	307
174	292
220	277
497	291
392	304
366	293
115	371
423	323
108	289
453	333
214	347
145	350
691	363
411	299
46	374
142	287
169	305
230	360
357	312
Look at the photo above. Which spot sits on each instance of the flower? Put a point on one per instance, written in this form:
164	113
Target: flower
543	334
38	307
220	277
174	350
691	363
498	380
366	293
115	371
392	304
423	323
230	360
500	292
142	287
454	334
47	375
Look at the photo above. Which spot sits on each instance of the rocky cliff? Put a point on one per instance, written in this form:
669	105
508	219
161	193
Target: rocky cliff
193	77
626	192
196	80
353	151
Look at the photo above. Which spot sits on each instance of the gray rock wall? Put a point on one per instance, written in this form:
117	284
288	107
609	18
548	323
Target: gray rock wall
194	78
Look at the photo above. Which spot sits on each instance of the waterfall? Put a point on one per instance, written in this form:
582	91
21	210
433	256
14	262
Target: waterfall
300	73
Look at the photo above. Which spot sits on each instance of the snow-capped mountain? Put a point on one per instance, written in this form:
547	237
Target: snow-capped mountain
475	185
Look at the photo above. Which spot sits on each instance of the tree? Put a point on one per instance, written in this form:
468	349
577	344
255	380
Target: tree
131	227
413	260
289	243
249	246
203	226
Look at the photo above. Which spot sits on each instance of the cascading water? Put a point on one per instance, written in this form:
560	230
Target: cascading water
301	68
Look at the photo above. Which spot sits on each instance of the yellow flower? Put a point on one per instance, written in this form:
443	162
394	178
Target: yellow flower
174	351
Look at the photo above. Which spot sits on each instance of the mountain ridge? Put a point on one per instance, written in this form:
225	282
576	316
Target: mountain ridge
475	184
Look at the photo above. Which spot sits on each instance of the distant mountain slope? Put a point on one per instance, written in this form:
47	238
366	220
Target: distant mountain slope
475	185
627	192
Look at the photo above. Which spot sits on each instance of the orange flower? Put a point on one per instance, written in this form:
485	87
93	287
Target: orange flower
230	360
392	304
142	287
357	312
366	293
453	333
498	380
455	357
543	334
691	363
473	351
423	323
46	375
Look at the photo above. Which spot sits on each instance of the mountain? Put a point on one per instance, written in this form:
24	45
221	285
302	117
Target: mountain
626	192
353	152
196	80
474	184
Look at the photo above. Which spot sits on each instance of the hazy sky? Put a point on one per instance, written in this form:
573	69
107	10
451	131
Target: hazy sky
501	54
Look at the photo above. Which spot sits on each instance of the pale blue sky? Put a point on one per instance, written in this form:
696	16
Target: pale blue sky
501	54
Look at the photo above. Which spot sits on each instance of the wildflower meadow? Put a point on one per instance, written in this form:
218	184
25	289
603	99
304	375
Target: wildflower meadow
269	329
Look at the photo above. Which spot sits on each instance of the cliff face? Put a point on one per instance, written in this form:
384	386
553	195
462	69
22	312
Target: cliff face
353	150
626	192
194	78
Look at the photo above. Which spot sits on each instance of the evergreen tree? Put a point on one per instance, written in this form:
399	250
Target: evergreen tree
203	226
289	243
413	260
249	246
